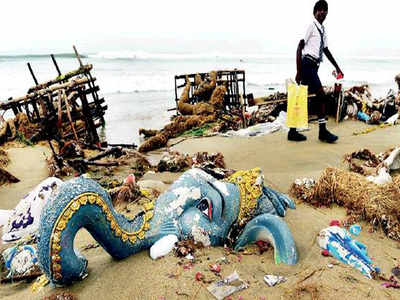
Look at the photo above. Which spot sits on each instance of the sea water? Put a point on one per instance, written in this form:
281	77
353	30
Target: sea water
139	87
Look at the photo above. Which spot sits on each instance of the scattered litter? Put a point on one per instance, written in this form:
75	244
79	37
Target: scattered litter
325	253
355	229
199	276
186	248
40	282
340	245
21	263
330	266
61	296
261	129
396	272
273	280
90	246
225	287
364	200
334	223
189	256
263	246
392	283
216	268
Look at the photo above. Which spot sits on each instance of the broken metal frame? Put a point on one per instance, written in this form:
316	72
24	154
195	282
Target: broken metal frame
235	81
40	102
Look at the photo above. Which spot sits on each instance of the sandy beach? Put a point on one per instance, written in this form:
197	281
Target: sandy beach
140	277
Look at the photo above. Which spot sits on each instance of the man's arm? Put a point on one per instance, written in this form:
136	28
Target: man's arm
298	60
332	60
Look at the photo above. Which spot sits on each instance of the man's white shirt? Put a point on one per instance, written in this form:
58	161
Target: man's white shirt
312	40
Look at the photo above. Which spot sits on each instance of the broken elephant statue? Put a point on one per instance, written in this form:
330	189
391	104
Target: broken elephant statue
196	206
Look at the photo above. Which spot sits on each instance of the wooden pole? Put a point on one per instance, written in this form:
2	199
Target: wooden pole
55	64
33	75
77	56
45	91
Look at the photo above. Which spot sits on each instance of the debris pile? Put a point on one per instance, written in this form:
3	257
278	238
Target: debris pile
5	176
179	125
358	103
173	161
363	199
218	96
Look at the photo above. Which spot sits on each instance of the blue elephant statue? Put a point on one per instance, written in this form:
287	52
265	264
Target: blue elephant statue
197	206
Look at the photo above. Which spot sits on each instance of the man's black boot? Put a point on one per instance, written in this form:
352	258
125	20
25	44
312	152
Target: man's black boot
293	135
324	135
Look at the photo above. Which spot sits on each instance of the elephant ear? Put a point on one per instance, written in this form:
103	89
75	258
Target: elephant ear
273	229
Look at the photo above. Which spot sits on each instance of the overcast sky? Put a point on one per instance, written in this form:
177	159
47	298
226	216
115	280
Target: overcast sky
42	26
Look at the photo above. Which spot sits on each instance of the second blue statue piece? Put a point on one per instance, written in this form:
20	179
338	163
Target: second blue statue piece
239	211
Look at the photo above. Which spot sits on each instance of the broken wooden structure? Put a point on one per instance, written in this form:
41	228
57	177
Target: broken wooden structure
66	107
234	81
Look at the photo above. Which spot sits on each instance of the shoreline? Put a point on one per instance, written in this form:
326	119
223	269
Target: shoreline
282	162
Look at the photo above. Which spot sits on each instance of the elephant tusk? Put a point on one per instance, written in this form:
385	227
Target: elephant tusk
163	246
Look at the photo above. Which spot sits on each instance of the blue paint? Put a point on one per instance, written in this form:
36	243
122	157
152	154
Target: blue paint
196	202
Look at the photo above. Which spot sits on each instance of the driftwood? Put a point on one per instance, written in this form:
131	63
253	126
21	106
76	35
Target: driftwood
6	177
81	165
43	92
60	78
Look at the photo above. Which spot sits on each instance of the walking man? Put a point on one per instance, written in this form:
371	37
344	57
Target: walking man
310	52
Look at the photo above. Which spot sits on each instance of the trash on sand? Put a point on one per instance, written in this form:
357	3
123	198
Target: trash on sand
342	246
199	276
334	223
61	296
216	268
186	248
273	280
163	246
21	263
262	128
392	283
225	287
40	283
396	272
355	229
325	253
330	266
364	200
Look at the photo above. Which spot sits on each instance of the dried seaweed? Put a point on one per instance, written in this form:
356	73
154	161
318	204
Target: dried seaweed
364	200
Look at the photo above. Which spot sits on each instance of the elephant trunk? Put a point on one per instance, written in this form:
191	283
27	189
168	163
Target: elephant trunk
84	204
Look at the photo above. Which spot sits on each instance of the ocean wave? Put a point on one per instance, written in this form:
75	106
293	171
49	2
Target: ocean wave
33	56
142	55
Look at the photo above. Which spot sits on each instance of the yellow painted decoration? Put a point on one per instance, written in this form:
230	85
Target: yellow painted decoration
39	283
141	235
250	187
73	206
148	206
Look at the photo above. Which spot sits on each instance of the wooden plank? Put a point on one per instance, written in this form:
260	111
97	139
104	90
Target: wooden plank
47	90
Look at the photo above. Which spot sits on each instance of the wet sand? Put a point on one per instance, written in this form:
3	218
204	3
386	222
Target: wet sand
139	277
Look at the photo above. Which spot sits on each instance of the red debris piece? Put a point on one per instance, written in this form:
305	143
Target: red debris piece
216	268
325	253
335	223
239	257
262	246
199	276
392	283
188	266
